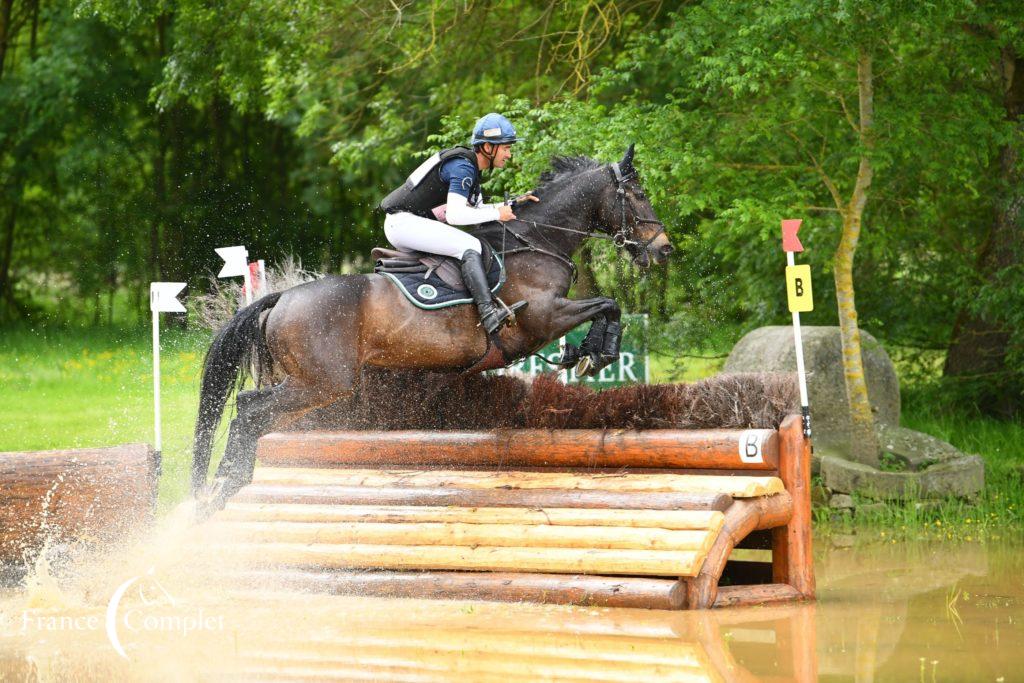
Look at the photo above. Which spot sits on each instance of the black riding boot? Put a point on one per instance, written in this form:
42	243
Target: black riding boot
492	316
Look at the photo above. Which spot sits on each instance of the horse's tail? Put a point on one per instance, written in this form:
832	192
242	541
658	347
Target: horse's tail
237	346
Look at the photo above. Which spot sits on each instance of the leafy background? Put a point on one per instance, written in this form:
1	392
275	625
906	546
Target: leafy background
134	137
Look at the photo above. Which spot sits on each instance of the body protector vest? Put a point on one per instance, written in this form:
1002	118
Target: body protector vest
424	189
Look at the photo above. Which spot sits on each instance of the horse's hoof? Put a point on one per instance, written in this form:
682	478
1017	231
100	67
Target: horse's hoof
570	356
587	367
211	500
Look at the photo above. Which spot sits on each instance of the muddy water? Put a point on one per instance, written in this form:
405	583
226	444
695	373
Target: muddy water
899	612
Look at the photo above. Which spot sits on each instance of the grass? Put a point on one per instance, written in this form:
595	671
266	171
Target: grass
997	514
83	388
76	388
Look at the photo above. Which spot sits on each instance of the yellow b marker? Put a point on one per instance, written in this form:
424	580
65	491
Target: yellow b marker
798	288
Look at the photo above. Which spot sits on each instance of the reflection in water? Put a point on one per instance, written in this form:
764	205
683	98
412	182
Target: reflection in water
922	612
900	613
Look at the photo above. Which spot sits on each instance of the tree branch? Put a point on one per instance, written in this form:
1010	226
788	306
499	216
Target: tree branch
833	190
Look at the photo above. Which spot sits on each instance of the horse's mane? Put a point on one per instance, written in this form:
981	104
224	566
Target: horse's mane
562	168
565	167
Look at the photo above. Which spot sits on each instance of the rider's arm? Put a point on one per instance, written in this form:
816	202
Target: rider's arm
459	212
459	173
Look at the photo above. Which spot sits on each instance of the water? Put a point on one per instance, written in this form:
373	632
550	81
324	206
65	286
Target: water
896	612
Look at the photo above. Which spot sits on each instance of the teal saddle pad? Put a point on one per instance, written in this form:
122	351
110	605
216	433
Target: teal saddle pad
428	281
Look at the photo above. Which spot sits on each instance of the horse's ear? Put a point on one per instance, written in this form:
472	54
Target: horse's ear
627	160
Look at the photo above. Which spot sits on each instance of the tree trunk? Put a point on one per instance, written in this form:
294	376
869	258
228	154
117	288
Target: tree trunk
6	7
179	187
979	345
160	197
6	285
863	441
34	34
159	174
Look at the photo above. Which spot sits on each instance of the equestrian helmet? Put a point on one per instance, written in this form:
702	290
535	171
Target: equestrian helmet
494	128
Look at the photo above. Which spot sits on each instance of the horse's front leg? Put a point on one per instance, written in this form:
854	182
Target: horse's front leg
601	345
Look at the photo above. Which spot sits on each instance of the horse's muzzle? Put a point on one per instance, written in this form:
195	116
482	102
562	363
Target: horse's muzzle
658	252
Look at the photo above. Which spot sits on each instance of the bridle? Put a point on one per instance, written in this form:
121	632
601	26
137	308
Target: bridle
621	239
624	236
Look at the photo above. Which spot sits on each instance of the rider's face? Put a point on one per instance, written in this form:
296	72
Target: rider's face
502	154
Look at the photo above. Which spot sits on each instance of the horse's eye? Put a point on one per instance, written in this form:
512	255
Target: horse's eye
641	195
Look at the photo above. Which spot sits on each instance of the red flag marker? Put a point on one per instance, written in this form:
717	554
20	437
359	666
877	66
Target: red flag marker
790	242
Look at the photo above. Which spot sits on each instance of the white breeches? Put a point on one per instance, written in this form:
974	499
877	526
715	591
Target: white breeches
408	231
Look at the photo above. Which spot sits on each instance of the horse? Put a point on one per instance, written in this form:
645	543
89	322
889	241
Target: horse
317	338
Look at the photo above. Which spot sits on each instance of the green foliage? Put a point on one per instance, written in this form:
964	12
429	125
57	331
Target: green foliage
136	136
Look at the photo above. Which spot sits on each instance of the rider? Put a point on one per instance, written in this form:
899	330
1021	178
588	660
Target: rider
444	191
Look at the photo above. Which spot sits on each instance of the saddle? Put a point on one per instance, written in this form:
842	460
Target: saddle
431	281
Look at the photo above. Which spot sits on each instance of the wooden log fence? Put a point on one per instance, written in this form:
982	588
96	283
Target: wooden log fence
617	518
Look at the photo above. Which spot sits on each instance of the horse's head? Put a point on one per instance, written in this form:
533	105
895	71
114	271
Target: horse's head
626	213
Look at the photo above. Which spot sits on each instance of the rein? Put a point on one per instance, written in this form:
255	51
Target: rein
620	239
573	272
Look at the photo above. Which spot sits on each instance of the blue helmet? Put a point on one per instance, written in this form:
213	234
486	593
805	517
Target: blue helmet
494	128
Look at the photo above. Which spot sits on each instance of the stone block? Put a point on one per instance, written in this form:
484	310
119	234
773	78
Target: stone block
840	501
962	476
770	349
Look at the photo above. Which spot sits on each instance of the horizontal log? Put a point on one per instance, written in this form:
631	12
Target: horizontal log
663	519
458	558
382	612
601	591
345	637
462	666
64	495
568	646
532	498
737	487
460	534
576	448
744	596
352	673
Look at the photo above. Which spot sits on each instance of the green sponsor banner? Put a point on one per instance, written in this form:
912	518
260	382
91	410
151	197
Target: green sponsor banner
633	366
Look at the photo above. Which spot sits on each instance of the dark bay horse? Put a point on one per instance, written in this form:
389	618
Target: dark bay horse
310	343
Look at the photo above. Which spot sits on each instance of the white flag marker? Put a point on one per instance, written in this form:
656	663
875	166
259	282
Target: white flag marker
236	264
798	287
163	298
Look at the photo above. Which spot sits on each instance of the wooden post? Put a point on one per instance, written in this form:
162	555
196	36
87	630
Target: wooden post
792	558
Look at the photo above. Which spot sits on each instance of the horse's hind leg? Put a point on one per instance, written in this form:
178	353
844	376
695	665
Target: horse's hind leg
260	412
250	423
